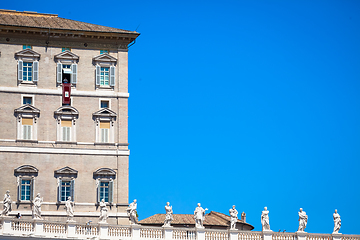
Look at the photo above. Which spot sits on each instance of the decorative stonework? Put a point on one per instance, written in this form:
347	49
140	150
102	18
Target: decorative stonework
199	216
27	111
28	54
233	217
66	56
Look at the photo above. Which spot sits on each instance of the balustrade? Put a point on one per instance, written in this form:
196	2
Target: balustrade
86	229
184	234
116	231
250	235
216	235
23	226
283	236
55	228
151	233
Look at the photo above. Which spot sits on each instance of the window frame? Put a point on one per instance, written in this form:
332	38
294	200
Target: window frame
66	113
105	61
65	174
105	115
66	58
26	173
29	112
27	56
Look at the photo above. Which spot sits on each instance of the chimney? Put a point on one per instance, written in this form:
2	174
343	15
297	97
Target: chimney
243	217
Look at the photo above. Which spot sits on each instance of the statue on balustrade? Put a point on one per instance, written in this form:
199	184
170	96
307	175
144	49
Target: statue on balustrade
37	207
337	222
265	222
303	218
132	213
233	217
169	215
7	204
69	206
199	216
103	212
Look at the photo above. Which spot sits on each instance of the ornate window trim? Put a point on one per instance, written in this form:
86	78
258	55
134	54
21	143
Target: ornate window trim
105	115
26	172
66	113
28	56
105	61
107	176
27	111
67	174
66	58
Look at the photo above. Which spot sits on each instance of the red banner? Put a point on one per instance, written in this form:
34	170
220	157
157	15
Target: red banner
66	93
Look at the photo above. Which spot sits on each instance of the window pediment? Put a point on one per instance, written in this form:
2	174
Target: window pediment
28	53
68	111
26	169
67	55
105	112
27	108
105	172
105	57
66	172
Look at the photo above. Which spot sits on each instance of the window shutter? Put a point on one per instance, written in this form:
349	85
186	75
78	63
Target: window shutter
26	132
32	189
59	190
111	192
29	132
74	73
112	76
35	71
20	70
97	75
98	192
19	190
72	190
59	73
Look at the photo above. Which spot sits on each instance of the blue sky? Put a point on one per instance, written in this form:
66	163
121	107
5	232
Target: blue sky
252	103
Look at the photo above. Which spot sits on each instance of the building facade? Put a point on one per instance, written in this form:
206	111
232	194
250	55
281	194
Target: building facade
64	113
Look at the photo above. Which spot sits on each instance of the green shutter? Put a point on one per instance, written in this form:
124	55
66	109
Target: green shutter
111	192
97	70
72	190
98	192
59	73
74	73
112	76
32	194
20	70
59	190
35	71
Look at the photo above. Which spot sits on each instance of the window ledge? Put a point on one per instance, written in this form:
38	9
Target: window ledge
98	87
23	201
64	142
27	84
27	140
106	144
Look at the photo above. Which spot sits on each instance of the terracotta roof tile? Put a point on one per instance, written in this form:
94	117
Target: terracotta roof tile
52	21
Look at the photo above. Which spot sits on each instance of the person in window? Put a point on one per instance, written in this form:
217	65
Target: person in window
65	80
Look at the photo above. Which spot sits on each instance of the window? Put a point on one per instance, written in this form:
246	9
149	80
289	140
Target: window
104	128
105	70
104	76
66	128
105	131
102	51
28	66
27	100
25	182
66	183
104	103
27	47
66	68
27	124
27	116
105	184
66	49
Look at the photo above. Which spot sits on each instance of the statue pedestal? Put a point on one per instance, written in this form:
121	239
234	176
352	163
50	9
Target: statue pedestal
71	229
103	230
301	235
135	231
168	232
39	227
336	236
200	233
7	225
267	234
233	234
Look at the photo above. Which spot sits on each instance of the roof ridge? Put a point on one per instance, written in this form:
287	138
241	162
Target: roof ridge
14	12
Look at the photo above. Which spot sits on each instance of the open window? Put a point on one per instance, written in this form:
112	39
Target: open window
25	176
104	70
66	67
28	66
66	183
105	184
66	117
27	119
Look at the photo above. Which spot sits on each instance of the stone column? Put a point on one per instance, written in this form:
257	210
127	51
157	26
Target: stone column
200	233
168	232
267	234
103	230
135	231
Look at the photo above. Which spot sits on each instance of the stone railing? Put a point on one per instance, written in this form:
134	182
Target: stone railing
15	229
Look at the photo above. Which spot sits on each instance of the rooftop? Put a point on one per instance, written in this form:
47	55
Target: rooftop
51	21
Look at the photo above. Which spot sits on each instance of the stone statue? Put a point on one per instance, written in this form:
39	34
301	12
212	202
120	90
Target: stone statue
199	216
7	204
37	207
169	215
103	212
132	213
265	219
233	217
337	222
303	218
69	206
